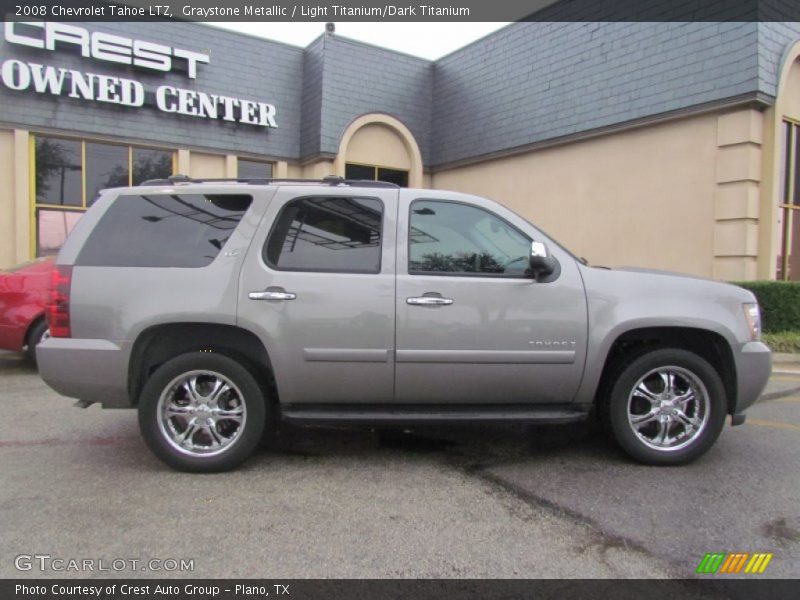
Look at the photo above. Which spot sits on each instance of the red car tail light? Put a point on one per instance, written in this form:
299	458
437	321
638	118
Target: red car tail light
58	302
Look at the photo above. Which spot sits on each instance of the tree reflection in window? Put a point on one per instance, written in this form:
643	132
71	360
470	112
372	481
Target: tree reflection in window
58	172
449	237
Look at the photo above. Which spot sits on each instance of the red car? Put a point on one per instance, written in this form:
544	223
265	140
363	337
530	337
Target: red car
23	295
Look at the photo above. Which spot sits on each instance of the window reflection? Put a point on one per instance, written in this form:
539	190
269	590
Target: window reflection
52	228
151	164
58	172
253	169
61	165
328	234
175	230
106	167
447	237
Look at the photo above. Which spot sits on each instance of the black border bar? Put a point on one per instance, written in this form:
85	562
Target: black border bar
402	10
406	589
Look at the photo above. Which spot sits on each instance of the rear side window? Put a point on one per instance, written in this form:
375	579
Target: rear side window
159	230
330	234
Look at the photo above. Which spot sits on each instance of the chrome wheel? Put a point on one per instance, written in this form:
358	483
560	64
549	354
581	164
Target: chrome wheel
668	408
201	413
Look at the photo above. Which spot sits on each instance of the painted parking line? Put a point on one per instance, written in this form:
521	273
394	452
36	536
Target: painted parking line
792	399
773	424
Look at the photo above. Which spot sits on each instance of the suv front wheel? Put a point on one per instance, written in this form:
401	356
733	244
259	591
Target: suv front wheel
667	407
202	412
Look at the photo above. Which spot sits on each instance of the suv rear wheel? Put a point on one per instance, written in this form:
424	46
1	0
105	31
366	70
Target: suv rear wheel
202	412
667	407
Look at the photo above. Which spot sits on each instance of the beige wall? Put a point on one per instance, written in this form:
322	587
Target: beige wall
7	207
14	197
791	92
208	166
377	144
787	105
646	196
316	170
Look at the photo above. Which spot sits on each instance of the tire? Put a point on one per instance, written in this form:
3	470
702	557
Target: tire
39	331
199	389
661	423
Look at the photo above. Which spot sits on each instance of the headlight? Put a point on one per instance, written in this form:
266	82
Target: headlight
753	317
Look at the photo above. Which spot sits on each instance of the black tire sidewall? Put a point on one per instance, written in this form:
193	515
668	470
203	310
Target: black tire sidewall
617	406
34	339
253	397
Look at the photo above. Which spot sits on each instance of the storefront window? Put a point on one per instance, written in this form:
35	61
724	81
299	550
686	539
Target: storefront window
106	167
376	173
253	169
151	164
58	172
69	174
53	226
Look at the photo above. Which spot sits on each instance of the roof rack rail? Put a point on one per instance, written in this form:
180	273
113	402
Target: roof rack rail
329	180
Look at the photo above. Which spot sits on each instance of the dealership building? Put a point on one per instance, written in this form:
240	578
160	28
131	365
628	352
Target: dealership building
666	145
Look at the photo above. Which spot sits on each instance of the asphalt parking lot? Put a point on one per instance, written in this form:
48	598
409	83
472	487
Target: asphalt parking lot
545	502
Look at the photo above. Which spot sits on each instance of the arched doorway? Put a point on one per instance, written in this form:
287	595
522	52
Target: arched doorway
379	147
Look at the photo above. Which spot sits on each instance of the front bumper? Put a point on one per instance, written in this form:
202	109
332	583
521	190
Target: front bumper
753	368
90	370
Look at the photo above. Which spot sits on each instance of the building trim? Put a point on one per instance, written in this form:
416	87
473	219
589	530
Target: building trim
757	100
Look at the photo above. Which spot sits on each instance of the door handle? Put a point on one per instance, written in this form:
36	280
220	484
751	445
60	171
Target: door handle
429	301
272	294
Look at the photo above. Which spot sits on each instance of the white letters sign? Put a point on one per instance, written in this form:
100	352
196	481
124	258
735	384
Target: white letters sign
57	81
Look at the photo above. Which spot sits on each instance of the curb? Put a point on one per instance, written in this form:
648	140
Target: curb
785	357
779	394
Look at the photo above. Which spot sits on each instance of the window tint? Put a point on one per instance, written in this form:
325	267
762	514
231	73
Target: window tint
158	230
376	173
150	164
58	172
106	167
447	237
252	169
327	234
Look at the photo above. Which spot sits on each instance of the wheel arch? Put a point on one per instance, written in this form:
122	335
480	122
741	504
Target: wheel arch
709	345
158	343
38	318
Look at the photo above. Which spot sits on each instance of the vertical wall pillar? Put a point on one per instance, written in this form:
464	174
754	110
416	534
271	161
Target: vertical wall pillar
736	197
22	200
231	166
184	166
280	170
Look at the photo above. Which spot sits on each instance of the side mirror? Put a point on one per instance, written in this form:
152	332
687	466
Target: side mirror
542	264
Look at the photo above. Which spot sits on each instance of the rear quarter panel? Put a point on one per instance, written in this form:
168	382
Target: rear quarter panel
118	303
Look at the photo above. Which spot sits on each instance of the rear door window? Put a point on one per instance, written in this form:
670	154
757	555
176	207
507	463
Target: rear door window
164	230
327	234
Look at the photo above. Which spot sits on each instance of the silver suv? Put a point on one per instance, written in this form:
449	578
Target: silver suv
219	308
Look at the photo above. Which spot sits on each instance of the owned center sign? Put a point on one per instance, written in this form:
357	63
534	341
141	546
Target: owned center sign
58	81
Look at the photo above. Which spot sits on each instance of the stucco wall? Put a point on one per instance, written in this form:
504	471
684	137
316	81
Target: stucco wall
7	224
378	145
641	197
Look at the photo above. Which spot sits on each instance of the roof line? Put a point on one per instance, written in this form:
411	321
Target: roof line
757	99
